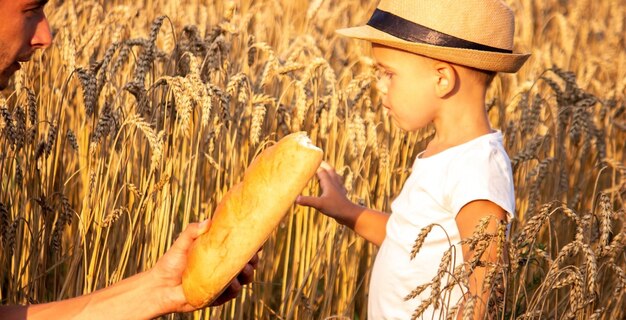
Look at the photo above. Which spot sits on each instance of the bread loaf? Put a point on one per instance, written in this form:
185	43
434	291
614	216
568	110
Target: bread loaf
247	215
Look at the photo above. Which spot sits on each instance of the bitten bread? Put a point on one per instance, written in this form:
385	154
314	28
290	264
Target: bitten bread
247	215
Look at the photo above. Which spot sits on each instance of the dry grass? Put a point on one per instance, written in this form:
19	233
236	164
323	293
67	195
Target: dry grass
143	114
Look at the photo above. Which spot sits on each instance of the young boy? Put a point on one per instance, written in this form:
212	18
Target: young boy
437	59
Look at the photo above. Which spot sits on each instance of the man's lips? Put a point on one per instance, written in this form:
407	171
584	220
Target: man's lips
15	66
10	70
25	57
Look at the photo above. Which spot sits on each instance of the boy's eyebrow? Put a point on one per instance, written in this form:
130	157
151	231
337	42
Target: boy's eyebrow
382	65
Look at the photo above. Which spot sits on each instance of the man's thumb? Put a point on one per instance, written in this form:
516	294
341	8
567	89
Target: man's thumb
193	231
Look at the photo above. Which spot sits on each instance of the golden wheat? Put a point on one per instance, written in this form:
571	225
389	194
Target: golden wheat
142	115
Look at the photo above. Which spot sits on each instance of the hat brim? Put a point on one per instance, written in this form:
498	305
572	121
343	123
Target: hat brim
484	60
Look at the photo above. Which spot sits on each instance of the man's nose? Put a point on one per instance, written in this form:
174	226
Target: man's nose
42	37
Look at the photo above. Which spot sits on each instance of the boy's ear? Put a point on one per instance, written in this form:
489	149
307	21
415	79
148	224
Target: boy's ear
446	79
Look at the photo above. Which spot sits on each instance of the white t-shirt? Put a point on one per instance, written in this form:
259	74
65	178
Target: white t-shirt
438	187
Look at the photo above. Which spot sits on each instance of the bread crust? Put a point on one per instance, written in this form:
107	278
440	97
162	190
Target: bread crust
247	215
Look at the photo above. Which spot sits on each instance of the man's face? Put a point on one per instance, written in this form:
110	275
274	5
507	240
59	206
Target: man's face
23	29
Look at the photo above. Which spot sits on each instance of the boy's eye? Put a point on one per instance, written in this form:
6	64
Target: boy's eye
382	74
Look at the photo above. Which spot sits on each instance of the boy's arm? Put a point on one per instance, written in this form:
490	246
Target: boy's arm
369	224
146	295
467	220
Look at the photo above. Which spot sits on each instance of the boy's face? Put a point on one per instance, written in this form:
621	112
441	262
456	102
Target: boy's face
406	82
23	29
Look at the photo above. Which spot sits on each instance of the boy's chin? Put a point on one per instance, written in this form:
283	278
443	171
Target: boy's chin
405	127
402	126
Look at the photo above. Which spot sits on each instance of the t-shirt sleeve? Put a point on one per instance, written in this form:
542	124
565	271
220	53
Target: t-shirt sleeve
482	174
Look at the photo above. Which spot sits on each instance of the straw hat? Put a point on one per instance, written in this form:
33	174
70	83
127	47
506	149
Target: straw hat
473	33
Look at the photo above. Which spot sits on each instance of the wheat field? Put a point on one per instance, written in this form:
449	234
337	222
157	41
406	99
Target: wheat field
142	114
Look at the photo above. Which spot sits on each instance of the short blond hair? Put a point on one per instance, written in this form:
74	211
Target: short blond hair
478	76
483	76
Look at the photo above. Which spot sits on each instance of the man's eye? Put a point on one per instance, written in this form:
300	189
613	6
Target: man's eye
34	11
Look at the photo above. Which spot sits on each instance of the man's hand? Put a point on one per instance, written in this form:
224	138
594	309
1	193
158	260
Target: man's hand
168	272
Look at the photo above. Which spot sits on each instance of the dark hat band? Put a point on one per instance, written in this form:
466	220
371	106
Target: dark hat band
410	31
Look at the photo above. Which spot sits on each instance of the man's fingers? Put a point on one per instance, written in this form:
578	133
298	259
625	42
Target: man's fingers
229	293
203	227
255	260
246	275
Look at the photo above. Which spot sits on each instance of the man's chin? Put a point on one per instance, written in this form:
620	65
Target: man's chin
4	82
5	78
7	73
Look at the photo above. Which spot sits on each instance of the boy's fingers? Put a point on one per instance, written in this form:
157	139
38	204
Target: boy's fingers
325	171
322	174
326	181
324	165
337	182
314	202
337	177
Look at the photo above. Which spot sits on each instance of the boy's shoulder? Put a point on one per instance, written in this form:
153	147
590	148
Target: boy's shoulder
482	158
486	150
482	171
479	147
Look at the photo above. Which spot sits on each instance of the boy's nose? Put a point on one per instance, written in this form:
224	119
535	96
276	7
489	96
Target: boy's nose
382	88
42	37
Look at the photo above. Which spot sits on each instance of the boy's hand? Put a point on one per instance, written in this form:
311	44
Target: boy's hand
333	202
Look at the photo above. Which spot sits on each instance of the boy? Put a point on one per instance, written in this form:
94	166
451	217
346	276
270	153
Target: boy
437	59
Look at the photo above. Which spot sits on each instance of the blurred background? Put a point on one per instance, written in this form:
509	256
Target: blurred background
142	114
